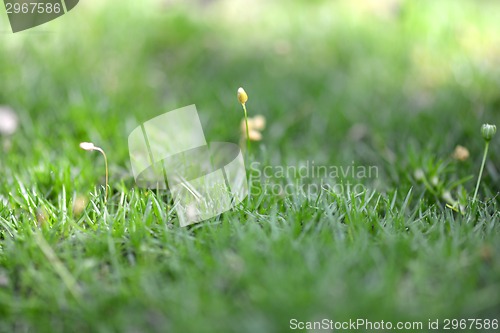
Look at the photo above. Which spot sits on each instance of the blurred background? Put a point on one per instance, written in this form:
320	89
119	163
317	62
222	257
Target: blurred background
337	80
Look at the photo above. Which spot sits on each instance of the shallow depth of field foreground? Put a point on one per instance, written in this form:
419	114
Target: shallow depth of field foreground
365	121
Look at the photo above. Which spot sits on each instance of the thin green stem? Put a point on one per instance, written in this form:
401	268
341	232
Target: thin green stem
481	170
248	132
106	164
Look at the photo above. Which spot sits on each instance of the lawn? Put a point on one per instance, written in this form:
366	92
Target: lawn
360	206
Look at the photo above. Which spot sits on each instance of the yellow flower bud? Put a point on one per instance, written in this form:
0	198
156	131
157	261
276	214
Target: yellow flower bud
242	96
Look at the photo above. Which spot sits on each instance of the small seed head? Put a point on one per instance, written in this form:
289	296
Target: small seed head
488	131
461	153
254	135
87	146
259	122
419	174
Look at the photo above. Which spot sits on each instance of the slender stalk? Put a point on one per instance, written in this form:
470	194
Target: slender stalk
481	170
89	146
106	164
248	132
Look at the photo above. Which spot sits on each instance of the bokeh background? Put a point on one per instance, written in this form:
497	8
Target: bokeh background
336	80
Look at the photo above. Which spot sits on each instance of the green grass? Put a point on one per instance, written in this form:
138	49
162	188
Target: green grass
412	84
